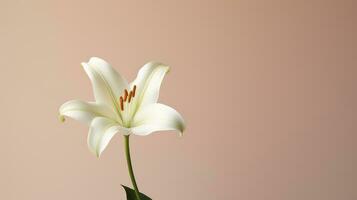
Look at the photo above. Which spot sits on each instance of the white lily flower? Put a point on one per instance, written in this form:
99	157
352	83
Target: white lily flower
120	107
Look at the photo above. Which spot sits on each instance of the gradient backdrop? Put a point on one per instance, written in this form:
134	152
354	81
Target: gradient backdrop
268	90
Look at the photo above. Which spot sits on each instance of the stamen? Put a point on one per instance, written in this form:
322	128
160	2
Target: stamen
134	89
130	95
121	103
125	94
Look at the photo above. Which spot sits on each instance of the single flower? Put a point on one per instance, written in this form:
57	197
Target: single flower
121	107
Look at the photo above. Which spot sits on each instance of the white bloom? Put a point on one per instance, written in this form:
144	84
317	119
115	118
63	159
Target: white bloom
120	107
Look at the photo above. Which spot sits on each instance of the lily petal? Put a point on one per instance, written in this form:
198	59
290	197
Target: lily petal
85	111
101	131
148	82
157	117
107	84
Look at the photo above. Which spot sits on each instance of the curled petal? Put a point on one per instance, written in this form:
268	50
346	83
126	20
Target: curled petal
157	117
101	131
85	111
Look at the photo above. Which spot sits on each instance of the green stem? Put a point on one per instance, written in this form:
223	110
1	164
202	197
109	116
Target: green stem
130	167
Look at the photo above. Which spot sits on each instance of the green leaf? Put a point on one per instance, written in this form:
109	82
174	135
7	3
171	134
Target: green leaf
130	194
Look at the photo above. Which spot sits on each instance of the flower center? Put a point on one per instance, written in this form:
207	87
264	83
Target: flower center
126	98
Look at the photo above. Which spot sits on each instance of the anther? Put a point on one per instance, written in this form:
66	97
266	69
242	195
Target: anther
125	94
121	103
134	89
130	95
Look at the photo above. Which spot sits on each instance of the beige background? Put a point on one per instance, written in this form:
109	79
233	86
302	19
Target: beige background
268	90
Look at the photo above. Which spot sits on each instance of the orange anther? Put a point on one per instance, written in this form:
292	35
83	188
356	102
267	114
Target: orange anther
130	95
134	89
121	103
125	94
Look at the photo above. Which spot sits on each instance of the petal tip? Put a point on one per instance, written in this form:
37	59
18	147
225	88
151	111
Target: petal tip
97	155
84	65
95	152
61	118
166	67
95	60
182	130
98	152
181	134
182	127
